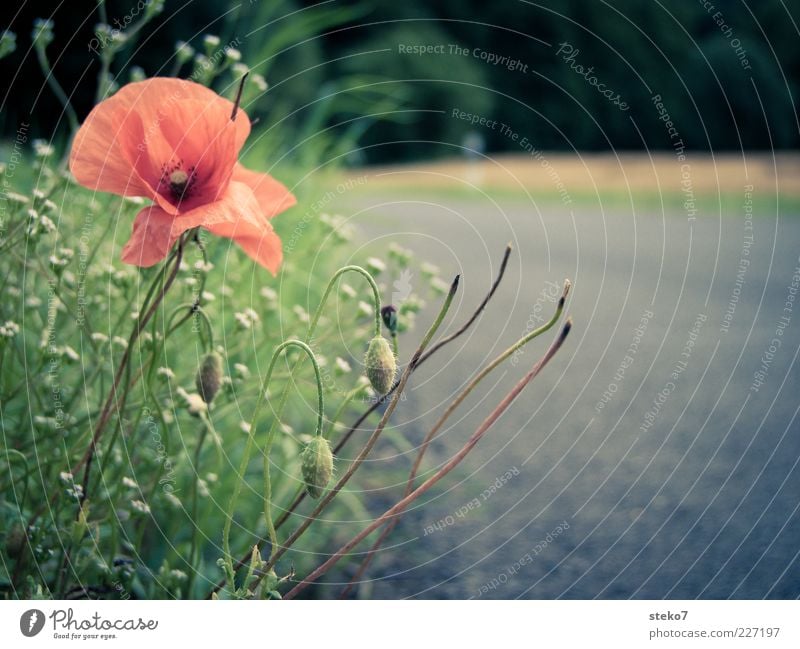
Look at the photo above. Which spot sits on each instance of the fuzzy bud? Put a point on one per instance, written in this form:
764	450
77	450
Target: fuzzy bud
381	365
317	466
209	376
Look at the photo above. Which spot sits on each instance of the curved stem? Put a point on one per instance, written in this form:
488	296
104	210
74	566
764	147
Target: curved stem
193	308
376	296
270	438
328	497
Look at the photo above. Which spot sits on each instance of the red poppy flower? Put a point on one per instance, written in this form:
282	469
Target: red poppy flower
177	143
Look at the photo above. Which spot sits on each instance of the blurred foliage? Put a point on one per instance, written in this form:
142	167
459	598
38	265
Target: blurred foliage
337	66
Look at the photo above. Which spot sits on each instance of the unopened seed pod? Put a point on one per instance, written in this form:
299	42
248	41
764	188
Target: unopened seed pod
209	376
317	466
380	364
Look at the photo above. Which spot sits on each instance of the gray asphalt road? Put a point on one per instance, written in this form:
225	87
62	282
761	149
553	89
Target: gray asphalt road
657	456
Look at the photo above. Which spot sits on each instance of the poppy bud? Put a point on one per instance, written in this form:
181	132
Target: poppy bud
389	315
317	466
209	376
381	364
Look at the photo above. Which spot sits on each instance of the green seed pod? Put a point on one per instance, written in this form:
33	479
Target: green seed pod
317	466
381	364
15	541
209	376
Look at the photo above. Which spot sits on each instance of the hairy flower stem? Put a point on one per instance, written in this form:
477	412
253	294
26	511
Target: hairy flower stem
328	497
273	538
105	414
454	461
207	426
441	421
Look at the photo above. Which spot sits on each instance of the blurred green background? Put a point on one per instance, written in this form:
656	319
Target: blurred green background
727	71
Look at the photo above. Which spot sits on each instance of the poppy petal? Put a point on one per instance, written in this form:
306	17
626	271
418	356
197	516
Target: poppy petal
247	226
273	197
151	239
127	140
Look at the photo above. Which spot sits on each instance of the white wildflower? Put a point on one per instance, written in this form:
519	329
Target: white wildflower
375	265
365	309
165	372
194	402
140	506
242	320
342	366
9	329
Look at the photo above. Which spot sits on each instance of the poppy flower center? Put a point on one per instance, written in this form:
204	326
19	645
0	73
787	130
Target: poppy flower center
178	181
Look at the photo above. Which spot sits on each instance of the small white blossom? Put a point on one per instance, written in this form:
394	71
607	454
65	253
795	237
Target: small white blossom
348	291
194	402
140	506
19	199
46	224
342	365
118	340
99	337
233	55
365	309
9	329
202	488
269	293
301	313
242	320
70	353
259	82
242	371
166	372
42	148
429	270
130	483
439	285
376	265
